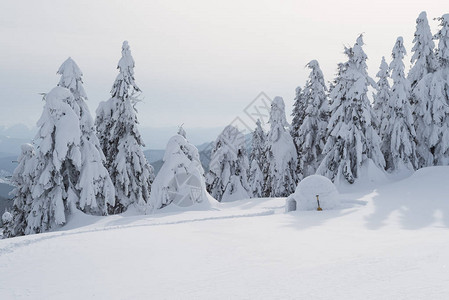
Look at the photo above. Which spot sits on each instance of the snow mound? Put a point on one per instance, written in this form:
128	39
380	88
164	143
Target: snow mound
305	194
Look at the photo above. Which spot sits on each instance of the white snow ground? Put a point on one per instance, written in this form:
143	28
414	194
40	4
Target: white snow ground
387	243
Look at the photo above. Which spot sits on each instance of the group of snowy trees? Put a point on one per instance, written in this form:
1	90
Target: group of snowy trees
337	132
99	167
414	112
273	161
406	127
78	165
351	136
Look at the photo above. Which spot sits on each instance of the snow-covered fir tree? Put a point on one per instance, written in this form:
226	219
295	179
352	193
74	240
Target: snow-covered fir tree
423	59
180	180
312	132
257	160
182	132
94	184
58	163
399	138
432	111
443	42
424	62
332	84
298	114
23	179
121	142
352	139
280	154
227	179
382	98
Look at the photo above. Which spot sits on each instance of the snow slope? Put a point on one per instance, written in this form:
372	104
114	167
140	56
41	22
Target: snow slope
387	243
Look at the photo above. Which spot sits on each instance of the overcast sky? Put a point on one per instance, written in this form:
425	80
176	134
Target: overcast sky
197	62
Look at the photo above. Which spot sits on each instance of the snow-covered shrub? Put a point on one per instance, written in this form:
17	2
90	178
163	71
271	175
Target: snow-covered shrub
6	217
23	179
6	221
305	195
180	181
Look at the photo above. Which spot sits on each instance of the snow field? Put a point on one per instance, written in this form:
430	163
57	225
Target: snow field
388	243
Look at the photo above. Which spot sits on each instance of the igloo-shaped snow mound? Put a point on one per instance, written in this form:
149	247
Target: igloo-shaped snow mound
304	197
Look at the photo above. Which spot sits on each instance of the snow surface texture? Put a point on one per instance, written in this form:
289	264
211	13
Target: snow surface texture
307	190
387	243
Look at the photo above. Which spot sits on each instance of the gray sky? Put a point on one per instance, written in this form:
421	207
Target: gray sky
197	62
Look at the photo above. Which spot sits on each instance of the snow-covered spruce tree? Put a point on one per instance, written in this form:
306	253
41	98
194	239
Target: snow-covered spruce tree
182	132
58	163
227	179
23	179
94	184
423	59
381	99
399	138
443	43
332	84
432	97
298	114
352	139
312	132
423	62
280	154
180	181
121	142
257	160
